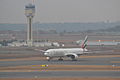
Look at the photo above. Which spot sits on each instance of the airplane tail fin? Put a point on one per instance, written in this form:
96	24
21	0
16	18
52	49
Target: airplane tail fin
83	46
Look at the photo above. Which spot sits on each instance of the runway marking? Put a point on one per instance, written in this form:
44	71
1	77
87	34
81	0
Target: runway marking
70	78
24	59
50	70
100	56
30	68
44	58
115	61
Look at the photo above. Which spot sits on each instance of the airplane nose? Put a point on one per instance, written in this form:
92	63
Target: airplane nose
45	54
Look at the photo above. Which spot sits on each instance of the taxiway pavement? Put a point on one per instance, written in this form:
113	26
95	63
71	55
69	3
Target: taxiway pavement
82	61
113	61
59	74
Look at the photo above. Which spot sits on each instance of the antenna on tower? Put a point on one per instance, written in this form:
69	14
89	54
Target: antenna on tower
33	1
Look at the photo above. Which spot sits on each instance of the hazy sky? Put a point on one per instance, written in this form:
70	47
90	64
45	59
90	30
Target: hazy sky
12	11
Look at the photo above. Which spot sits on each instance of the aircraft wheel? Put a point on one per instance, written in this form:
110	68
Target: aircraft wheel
74	59
60	59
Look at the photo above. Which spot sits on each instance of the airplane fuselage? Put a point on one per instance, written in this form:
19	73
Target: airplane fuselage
63	52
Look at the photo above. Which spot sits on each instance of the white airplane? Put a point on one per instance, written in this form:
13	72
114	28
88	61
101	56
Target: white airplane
73	53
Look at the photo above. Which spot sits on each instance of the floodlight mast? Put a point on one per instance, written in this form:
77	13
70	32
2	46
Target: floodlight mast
29	13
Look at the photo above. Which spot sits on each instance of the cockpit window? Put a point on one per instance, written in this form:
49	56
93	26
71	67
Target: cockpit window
46	52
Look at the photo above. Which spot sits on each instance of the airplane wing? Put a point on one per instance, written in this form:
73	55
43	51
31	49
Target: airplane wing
39	50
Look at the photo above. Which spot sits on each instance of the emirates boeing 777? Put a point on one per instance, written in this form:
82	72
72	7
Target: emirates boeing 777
73	53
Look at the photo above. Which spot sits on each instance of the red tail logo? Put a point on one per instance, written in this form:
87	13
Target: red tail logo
84	43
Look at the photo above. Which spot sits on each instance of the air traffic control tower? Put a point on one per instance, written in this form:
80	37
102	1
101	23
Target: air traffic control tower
29	13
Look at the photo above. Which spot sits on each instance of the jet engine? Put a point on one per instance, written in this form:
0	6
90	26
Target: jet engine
73	56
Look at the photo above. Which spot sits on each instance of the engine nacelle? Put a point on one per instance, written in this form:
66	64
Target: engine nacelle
73	56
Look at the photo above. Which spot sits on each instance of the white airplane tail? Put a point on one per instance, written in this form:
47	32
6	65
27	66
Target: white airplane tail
83	46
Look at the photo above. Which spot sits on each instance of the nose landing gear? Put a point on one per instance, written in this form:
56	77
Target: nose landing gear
48	58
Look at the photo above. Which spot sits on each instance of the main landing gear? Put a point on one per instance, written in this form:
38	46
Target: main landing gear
49	58
60	59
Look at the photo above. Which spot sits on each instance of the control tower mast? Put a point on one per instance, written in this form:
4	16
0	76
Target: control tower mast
29	13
